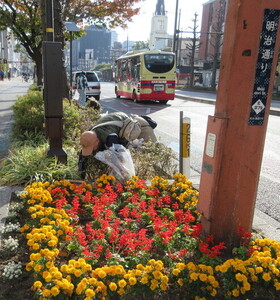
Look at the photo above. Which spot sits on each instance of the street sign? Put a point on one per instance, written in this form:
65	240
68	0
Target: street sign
264	65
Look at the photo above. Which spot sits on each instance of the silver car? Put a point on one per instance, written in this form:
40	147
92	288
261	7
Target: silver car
93	83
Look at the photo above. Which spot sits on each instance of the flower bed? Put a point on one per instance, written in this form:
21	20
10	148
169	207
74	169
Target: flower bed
137	241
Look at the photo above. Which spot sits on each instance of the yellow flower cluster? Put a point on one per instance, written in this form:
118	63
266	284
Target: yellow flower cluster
104	180
43	240
263	265
152	275
116	279
197	273
36	194
161	183
64	183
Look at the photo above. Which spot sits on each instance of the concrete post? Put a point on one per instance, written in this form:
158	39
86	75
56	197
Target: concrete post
236	133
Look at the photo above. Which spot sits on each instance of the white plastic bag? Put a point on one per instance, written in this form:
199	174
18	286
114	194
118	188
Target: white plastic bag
119	159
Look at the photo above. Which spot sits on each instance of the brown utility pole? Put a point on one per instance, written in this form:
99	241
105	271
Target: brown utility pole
53	87
236	133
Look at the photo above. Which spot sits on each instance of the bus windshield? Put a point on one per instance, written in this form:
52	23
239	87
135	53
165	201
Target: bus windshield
159	63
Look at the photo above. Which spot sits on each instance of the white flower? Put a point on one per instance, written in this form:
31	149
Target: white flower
10	227
12	270
10	244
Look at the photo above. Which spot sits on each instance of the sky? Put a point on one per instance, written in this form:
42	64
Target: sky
140	28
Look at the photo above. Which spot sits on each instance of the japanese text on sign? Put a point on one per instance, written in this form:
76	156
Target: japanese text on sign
264	66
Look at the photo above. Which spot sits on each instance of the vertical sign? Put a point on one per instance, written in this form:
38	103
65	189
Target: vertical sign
264	66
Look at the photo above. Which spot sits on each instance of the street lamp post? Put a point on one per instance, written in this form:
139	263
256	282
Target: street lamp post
71	26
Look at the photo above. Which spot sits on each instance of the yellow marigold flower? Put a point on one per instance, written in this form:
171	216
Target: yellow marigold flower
46	293
235	292
163	286
48	278
213	293
80	288
191	266
194	276
55	291
239	277
176	272
113	286
148	269
247	286
154	282
122	283
37	284
144	280
164	279
277	286
211	279
38	268
35	246
140	267
78	273
89	293
157	274
266	276
180	266
180	281
132	280
259	270
101	274
203	277
121	291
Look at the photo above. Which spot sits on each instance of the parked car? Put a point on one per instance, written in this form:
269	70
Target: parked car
93	83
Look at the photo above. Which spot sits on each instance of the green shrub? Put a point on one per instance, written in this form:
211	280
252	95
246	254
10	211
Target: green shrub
76	120
28	114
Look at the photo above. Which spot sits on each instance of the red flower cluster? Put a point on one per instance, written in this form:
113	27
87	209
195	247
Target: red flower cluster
126	220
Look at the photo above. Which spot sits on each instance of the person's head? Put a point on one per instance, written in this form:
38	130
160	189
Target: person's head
89	142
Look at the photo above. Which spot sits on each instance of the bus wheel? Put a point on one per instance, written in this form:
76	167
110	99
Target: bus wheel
163	101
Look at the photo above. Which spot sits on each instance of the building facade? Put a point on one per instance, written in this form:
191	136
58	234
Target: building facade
158	36
91	49
212	29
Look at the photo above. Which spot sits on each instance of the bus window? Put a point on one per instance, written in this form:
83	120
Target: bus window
159	63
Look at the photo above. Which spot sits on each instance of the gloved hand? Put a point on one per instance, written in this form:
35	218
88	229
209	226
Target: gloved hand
82	165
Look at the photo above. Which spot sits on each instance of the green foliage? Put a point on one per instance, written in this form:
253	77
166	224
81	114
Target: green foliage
27	164
77	120
140	45
28	114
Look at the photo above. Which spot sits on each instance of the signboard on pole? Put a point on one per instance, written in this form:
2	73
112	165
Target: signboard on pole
264	66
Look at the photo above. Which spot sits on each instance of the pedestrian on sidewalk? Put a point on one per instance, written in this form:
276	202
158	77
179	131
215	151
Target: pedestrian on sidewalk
82	85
